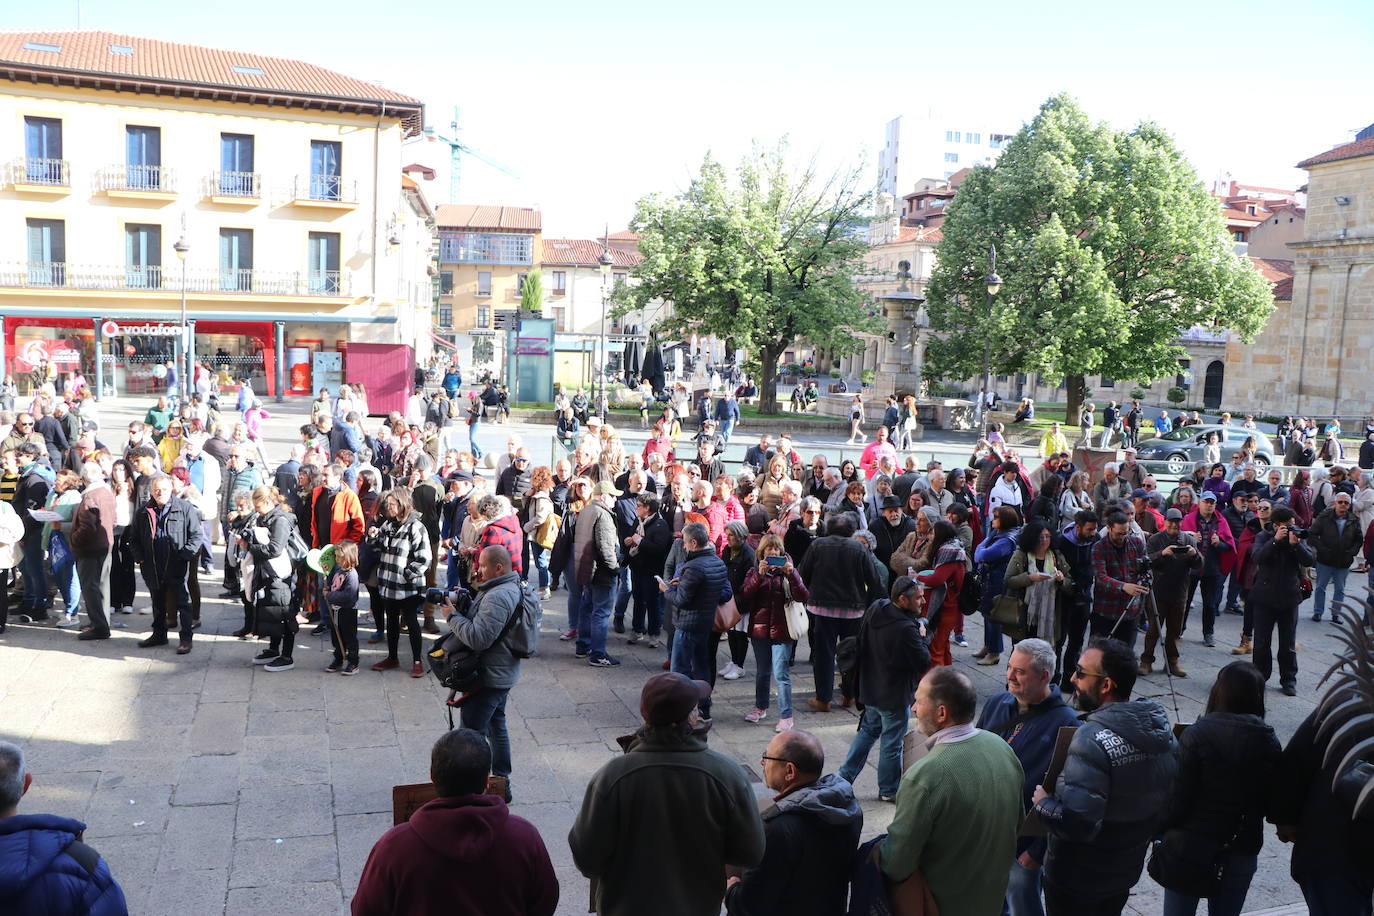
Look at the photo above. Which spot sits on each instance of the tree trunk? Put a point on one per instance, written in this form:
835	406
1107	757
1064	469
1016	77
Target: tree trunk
1074	385
768	377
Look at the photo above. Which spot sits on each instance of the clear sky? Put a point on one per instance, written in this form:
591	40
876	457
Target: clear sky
593	105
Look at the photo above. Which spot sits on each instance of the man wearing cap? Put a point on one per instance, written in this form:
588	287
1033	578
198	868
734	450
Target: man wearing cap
893	657
1217	545
1174	557
1335	539
1146	515
659	825
596	561
890	528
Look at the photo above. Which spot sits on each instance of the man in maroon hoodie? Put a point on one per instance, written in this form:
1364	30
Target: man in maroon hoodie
464	852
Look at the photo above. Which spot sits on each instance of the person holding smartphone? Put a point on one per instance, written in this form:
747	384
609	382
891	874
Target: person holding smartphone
1279	560
769	586
1174	557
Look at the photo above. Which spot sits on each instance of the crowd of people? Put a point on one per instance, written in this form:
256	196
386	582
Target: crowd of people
870	567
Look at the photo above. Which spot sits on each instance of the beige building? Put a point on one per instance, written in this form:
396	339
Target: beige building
269	190
1316	356
1282	226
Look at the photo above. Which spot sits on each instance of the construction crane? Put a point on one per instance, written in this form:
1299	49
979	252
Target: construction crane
457	149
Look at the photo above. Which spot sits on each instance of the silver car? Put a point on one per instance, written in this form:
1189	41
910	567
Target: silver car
1186	445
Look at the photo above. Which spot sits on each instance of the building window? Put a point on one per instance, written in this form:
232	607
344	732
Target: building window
486	248
445	282
43	152
619	277
520	283
1250	208
1106	382
997	141
560	282
324	263
1239	235
952	136
236	177
483	316
143	158
974	138
142	256
236	260
560	319
484	283
47	252
445	319
326	158
951	157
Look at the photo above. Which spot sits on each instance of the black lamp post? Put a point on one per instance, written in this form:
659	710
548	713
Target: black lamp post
993	283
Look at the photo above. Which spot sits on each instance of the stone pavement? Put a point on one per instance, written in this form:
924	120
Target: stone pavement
212	786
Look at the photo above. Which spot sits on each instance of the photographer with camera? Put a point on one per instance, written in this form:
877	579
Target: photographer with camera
1173	556
1279	557
1119	562
1218	547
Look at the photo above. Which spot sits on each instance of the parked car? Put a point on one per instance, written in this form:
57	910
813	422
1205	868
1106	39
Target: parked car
1184	446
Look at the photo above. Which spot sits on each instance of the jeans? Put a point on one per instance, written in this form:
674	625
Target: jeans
1334	575
1267	616
540	556
485	712
727	427
1229	900
648	604
1106	438
35	574
1023	892
1212	584
472	439
779	656
992	634
94	575
69	587
890	726
1337	894
593	618
829	631
574	593
622	593
692	658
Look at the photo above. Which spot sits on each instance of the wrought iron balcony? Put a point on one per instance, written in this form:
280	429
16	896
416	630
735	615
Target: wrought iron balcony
325	189
137	179
242	185
52	173
145	278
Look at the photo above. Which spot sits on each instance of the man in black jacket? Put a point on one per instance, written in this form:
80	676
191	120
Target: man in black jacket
625	511
1076	543
31	492
1279	556
843	581
893	657
711	466
166	539
1111	796
1335	538
1174	556
890	528
701	584
813	823
647	549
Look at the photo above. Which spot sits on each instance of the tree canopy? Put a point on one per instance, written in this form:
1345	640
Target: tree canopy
1108	246
764	261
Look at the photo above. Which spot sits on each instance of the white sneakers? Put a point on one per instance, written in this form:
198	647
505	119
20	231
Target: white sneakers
731	671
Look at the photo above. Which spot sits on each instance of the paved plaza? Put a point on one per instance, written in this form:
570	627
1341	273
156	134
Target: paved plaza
212	786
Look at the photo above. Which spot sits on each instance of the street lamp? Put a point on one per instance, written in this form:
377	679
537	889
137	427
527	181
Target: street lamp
187	344
604	261
993	283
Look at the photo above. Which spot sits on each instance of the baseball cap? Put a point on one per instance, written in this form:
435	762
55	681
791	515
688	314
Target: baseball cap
670	697
1208	495
1140	493
1173	515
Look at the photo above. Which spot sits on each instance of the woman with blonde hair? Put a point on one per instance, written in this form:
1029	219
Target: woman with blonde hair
771	484
1077	496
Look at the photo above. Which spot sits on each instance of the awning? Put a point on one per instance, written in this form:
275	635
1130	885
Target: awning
443	342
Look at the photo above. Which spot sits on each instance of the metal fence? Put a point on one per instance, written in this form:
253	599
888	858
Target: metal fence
48	274
136	178
49	172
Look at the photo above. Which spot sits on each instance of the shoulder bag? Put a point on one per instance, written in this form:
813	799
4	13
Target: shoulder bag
727	615
794	611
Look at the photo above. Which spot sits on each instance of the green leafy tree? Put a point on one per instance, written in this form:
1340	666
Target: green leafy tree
532	295
764	260
1108	246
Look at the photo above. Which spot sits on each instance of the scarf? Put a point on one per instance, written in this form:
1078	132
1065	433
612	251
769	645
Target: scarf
1040	599
951	551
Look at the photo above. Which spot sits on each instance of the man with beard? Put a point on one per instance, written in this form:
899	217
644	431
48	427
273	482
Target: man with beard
1110	798
1174	555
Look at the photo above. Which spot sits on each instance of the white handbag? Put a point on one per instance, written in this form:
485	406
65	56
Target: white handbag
795	612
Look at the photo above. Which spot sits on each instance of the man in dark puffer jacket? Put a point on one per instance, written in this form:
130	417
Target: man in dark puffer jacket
1111	797
702	582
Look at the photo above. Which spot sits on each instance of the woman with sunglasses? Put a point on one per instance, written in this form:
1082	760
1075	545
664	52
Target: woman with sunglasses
169	449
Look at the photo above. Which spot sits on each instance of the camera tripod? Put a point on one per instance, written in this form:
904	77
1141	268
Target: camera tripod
1152	618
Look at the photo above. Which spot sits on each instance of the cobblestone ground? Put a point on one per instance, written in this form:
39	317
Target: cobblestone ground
212	786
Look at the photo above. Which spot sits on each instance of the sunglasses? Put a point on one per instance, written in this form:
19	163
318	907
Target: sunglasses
25	425
1079	673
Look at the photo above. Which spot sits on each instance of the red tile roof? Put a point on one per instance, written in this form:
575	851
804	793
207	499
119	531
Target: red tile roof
1344	151
624	235
91	53
1275	270
1284	289
1233	215
474	216
917	234
584	253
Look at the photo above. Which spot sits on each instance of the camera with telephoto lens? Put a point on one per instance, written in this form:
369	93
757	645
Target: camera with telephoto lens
1300	532
1144	565
437	595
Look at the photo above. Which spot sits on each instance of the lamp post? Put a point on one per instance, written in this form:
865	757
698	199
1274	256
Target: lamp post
993	283
604	261
181	247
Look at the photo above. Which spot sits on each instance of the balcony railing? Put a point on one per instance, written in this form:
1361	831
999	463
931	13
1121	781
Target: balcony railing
247	185
51	173
326	188
136	178
141	278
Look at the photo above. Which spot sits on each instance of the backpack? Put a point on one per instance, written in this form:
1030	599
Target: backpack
522	639
296	548
971	595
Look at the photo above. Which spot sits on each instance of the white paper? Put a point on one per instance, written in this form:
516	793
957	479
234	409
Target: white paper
45	515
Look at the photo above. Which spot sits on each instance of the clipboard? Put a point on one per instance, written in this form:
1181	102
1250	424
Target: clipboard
1033	825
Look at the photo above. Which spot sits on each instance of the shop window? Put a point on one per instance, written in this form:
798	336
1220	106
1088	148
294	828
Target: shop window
142	256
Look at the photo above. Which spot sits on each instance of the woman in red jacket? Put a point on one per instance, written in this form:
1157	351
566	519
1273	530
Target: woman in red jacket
768	587
943	583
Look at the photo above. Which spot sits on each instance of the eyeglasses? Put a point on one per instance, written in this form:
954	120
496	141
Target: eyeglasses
1264	509
777	759
1079	673
24	425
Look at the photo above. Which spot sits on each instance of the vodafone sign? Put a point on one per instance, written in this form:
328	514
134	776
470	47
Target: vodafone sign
110	329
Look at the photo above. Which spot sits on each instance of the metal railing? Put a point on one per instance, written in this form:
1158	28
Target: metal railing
324	187
234	184
52	173
136	178
47	275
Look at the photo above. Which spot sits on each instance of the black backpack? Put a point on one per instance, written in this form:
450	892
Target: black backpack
971	595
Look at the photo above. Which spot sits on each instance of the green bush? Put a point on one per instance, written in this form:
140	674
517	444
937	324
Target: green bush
1138	393
1177	395
834	373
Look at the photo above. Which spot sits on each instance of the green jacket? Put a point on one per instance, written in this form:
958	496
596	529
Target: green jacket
959	809
659	825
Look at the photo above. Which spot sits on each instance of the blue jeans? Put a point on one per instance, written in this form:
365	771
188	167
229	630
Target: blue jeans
574	592
1212	586
692	658
1023	892
1337	894
992	635
485	712
1229	899
472	440
35	574
829	631
727	427
648	608
780	655
622	594
890	726
541	563
593	618
1334	575
69	586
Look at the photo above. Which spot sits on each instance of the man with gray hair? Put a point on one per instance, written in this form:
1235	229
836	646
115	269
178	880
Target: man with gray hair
1111	486
47	869
1028	716
92	537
